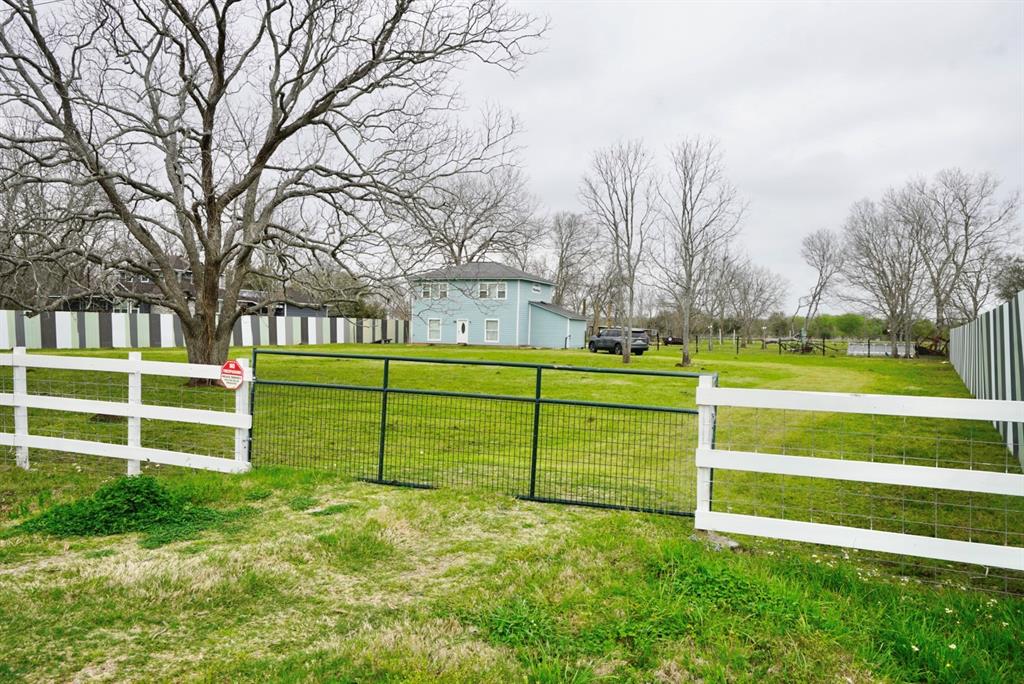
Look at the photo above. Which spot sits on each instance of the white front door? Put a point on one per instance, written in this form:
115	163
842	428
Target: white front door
462	332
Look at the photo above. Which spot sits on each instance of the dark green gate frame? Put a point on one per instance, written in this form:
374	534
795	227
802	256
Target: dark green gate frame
385	389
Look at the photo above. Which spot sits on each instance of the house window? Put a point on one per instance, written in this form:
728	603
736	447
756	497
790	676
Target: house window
492	291
433	330
536	289
491	330
434	291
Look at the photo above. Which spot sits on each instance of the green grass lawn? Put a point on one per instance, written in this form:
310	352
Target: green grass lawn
306	575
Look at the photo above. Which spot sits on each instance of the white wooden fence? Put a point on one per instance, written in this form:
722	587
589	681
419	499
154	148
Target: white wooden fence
710	397
134	410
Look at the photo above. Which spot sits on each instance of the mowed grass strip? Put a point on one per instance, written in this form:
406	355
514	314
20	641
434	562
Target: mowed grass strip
330	580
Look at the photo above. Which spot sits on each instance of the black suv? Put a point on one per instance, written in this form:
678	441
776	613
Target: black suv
610	340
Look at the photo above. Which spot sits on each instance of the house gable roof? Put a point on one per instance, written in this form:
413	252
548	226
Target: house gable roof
480	270
559	310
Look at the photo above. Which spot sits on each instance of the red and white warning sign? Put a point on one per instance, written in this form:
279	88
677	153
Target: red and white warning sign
231	375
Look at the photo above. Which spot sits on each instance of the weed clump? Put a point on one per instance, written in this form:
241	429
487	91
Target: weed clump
129	504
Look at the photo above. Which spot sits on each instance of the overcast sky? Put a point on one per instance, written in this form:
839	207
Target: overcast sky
815	105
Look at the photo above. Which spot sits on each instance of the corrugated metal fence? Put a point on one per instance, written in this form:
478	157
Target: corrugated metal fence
90	330
988	353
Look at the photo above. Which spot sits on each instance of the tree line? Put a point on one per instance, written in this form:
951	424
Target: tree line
229	154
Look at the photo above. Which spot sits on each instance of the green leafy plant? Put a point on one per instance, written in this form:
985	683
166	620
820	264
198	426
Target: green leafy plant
128	504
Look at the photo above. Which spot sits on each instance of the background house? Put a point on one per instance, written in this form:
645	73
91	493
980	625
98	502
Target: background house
490	303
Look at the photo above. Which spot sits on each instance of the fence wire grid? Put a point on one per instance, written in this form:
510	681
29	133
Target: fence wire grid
105	386
941	513
610	455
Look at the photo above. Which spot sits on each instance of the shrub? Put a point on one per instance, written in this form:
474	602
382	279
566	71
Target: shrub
129	504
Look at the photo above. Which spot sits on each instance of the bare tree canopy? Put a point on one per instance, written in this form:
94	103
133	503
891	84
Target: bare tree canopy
822	250
576	246
955	220
467	218
619	195
755	293
883	270
212	131
701	213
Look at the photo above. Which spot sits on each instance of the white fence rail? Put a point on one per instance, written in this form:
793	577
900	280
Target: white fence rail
708	458
133	409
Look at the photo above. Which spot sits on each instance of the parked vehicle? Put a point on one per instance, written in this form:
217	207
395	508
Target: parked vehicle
610	340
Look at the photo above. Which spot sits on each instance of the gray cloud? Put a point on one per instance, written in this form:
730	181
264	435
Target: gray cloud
816	105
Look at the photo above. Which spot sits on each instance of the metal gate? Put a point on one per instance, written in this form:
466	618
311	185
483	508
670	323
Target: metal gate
385	419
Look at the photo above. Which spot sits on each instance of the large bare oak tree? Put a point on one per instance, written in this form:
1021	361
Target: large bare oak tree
225	134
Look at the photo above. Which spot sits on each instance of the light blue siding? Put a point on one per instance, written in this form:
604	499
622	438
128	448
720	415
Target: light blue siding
512	313
548	329
463	304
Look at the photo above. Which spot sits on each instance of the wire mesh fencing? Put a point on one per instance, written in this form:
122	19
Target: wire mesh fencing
984	518
537	445
113	429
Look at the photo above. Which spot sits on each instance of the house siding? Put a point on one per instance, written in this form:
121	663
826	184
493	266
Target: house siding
549	329
463	304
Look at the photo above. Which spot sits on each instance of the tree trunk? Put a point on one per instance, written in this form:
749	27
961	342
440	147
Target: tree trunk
204	341
627	331
686	336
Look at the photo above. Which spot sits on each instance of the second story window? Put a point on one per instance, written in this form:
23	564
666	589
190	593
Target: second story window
434	291
492	291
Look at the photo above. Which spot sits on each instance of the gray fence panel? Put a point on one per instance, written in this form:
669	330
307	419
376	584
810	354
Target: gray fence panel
89	330
988	354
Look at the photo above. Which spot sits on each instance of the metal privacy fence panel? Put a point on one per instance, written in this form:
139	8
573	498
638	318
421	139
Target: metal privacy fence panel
539	447
988	354
106	330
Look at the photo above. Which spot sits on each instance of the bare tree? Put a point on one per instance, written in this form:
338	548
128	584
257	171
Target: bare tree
883	270
469	218
822	250
576	246
207	128
716	298
619	195
755	292
953	220
701	212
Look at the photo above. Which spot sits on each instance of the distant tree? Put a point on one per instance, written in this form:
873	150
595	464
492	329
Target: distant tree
883	270
1009	279
576	245
701	213
778	324
755	292
850	325
822	250
955	221
618	192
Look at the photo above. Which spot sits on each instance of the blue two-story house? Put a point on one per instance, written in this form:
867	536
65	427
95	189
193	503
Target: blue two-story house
491	304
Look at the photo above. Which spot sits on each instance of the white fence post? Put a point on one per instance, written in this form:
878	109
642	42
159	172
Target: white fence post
705	434
20	389
134	399
242	409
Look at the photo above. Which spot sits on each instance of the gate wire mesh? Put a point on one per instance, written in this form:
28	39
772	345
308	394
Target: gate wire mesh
942	513
627	456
